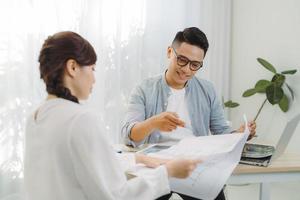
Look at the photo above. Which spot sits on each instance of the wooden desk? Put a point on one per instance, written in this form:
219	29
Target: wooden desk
285	168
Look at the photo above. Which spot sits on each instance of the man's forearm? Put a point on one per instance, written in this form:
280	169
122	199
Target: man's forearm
142	129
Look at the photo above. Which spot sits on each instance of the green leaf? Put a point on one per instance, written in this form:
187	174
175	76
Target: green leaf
291	91
284	103
261	86
267	65
249	92
278	79
274	93
293	71
231	104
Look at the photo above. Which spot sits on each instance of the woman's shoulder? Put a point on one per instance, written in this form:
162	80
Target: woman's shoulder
86	127
67	107
64	110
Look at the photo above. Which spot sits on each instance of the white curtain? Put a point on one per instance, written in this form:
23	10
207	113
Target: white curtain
130	38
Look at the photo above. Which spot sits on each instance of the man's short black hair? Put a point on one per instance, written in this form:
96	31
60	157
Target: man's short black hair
193	36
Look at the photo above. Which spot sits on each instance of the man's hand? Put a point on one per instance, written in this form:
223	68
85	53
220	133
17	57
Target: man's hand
167	121
252	129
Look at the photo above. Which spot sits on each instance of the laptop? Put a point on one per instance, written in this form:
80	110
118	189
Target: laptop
262	155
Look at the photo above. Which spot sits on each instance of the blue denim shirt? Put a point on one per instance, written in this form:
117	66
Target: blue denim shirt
151	98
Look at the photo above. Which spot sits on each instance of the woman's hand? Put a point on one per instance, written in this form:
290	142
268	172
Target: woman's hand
178	168
149	161
181	168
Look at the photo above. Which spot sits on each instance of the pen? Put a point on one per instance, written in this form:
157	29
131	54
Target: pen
246	122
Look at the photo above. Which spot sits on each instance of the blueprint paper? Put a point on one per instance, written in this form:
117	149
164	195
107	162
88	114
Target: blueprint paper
220	155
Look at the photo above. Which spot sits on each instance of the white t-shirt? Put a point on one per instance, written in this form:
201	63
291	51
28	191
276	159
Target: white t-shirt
68	157
177	103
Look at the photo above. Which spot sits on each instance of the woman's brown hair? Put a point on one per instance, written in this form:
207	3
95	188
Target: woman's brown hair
56	51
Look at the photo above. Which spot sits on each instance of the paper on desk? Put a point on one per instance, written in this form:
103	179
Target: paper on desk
220	155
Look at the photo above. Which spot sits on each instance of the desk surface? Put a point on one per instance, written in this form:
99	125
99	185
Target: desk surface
285	163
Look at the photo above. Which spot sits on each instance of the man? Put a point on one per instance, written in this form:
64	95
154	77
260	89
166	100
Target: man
177	104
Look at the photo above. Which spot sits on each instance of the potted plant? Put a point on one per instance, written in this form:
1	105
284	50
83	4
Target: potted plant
273	89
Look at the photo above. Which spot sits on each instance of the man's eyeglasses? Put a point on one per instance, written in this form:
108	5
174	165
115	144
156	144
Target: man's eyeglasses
183	61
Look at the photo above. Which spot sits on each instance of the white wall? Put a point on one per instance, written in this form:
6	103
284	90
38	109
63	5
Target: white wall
268	29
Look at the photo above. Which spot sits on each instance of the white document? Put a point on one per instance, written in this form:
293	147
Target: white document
220	155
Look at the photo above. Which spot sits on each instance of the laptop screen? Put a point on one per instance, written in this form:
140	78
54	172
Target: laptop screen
286	136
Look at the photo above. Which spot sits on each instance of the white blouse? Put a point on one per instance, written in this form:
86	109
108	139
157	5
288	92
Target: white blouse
68	157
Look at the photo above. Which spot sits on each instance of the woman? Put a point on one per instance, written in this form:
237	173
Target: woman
67	156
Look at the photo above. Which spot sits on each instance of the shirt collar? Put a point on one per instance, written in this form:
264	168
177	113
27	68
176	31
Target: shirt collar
165	84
